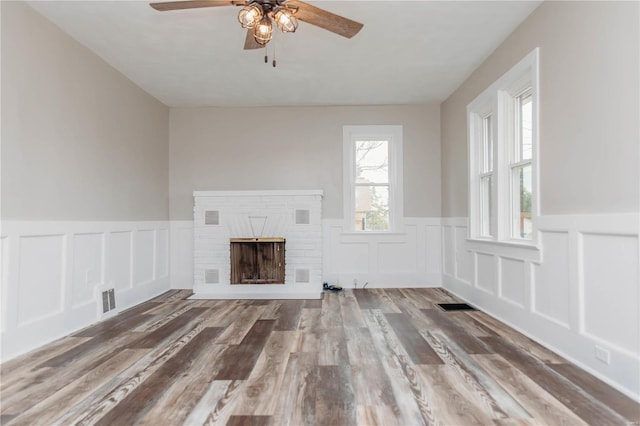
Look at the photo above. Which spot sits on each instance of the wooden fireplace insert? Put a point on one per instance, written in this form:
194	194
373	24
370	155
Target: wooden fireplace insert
257	260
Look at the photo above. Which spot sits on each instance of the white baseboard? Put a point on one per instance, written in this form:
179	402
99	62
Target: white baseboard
308	295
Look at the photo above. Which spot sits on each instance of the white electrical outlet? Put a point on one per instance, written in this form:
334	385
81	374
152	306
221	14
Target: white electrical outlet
603	355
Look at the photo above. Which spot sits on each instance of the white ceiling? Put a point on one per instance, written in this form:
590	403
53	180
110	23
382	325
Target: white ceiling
407	53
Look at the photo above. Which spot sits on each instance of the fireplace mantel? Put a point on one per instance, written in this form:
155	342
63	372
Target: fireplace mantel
222	216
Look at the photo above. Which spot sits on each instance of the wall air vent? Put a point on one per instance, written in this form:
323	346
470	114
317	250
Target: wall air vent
212	217
456	307
302	217
302	275
108	300
211	276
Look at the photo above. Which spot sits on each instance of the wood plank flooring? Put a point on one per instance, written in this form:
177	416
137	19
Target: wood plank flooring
361	357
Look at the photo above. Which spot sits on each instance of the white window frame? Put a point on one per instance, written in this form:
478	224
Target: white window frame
498	100
476	132
392	134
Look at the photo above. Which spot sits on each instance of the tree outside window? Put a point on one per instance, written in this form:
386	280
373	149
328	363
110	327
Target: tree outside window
372	185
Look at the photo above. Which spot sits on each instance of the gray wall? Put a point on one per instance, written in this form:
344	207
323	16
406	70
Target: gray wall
79	140
589	88
246	149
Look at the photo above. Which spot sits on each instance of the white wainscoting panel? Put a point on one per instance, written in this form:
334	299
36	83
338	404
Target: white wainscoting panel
88	266
143	263
162	253
397	257
408	259
350	256
463	258
551	279
611	291
512	281
41	277
181	254
120	266
449	251
53	274
486	268
4	279
433	247
579	289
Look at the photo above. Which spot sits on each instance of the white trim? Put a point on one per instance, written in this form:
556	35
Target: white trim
497	100
505	249
371	233
252	294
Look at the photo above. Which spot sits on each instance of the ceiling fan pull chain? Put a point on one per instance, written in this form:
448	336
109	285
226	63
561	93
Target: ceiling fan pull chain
274	55
266	54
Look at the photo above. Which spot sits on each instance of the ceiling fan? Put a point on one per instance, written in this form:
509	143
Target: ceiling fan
259	17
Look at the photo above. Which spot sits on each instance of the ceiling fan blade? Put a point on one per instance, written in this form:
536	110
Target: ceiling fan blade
250	42
177	5
324	19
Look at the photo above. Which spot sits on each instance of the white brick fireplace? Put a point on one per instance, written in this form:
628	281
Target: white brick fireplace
293	215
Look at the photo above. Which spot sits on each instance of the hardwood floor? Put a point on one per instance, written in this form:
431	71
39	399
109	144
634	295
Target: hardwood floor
365	357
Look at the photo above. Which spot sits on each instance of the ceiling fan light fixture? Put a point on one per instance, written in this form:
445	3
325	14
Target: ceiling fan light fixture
263	31
260	16
250	15
285	20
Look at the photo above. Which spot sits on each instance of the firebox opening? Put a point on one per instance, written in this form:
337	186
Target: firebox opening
257	260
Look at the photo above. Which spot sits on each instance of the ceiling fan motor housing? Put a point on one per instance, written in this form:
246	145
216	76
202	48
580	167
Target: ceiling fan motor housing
268	5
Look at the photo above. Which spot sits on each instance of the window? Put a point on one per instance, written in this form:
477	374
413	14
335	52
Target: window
503	190
372	185
372	178
520	167
486	177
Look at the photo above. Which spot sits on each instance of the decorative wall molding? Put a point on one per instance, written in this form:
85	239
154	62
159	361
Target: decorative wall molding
53	274
579	290
408	259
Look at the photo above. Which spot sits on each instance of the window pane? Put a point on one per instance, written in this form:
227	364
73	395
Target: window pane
372	161
525	107
522	183
372	208
485	206
487	144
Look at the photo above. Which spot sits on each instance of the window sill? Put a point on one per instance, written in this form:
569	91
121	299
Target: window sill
518	244
522	250
373	233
